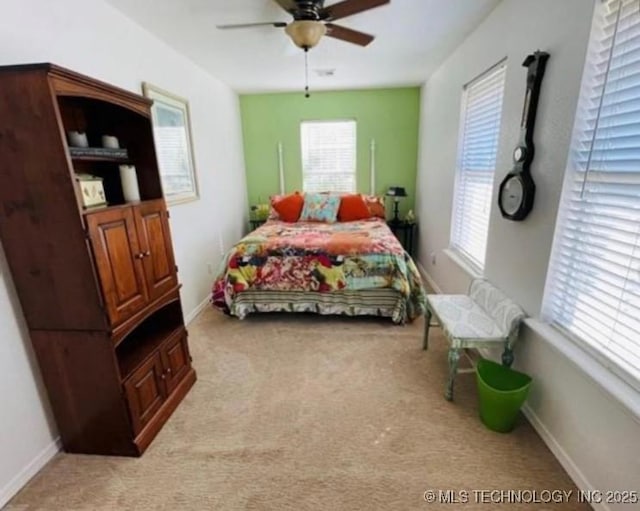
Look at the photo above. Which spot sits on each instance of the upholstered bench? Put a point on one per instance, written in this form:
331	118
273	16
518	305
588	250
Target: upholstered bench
484	318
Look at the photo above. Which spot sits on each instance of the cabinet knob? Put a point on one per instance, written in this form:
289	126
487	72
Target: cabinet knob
163	376
140	255
168	370
147	254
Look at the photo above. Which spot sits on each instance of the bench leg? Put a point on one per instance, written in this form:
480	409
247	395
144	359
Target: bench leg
454	358
507	356
427	324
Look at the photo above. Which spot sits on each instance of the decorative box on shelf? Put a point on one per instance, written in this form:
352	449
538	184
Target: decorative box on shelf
91	190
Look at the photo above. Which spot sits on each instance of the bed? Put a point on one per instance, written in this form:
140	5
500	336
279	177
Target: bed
353	268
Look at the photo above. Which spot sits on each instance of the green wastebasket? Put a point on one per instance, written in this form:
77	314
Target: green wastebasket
502	392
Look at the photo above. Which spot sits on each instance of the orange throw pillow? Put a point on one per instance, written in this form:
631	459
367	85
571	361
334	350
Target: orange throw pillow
289	207
375	205
352	207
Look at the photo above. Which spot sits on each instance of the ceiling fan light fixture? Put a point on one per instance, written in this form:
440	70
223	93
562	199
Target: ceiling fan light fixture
305	33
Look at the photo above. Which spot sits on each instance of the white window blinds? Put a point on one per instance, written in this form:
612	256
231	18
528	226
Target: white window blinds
328	156
477	148
593	286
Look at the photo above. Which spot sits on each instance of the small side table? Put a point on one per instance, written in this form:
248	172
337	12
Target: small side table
404	231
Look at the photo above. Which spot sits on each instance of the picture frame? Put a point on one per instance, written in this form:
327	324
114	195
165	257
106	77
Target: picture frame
173	140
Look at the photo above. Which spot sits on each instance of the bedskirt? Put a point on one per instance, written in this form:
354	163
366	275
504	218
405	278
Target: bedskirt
384	302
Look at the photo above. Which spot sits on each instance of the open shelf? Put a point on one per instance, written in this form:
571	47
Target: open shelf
145	340
134	132
143	349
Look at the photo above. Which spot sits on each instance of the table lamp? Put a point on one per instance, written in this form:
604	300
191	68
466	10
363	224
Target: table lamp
396	192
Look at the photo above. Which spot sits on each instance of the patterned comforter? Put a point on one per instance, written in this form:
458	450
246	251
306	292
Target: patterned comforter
321	258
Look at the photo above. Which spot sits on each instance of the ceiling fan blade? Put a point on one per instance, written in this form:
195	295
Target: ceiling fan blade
349	8
277	24
349	35
288	5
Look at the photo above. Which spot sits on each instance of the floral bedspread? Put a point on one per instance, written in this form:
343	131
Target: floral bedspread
320	257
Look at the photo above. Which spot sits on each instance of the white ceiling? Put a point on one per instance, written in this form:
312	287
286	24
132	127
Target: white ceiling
412	38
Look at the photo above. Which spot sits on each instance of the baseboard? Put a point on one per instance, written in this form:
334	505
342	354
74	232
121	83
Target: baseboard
199	308
25	475
554	446
561	455
430	282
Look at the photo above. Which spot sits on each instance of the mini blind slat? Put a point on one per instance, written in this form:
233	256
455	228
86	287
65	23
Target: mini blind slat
593	287
328	156
595	269
478	145
613	252
603	212
485	109
604	284
623	326
614	207
485	92
481	127
610	314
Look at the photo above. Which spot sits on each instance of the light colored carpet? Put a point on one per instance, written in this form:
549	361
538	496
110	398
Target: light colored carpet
307	412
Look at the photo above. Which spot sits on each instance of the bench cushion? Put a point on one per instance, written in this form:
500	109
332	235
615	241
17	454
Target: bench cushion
463	318
505	313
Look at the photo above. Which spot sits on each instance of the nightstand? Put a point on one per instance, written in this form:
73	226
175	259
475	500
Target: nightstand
258	214
404	231
256	222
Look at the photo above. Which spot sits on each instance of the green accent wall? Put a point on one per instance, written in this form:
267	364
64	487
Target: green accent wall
388	116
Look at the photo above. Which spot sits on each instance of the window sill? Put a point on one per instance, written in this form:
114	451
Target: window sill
463	263
613	384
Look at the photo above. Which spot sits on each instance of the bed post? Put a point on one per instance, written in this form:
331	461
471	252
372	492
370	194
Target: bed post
373	166
281	168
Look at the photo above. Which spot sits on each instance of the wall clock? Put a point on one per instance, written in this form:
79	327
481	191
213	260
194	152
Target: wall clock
517	189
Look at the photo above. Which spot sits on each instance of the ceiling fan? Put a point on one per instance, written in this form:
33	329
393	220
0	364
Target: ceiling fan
312	19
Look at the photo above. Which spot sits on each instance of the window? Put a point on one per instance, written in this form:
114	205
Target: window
328	156
477	148
593	286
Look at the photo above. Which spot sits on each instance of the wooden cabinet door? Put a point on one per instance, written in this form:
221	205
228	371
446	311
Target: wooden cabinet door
119	260
175	359
155	239
145	392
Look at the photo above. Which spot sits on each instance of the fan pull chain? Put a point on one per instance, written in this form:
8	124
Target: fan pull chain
306	73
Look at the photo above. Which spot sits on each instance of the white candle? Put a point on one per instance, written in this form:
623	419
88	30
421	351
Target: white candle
129	181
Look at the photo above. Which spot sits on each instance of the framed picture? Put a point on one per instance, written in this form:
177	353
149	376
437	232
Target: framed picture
174	146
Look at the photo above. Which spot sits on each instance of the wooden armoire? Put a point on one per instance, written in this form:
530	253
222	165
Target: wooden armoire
99	286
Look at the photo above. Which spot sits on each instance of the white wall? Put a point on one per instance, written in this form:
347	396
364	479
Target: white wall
597	438
93	38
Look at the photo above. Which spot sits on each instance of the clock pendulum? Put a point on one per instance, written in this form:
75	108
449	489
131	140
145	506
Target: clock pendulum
517	189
